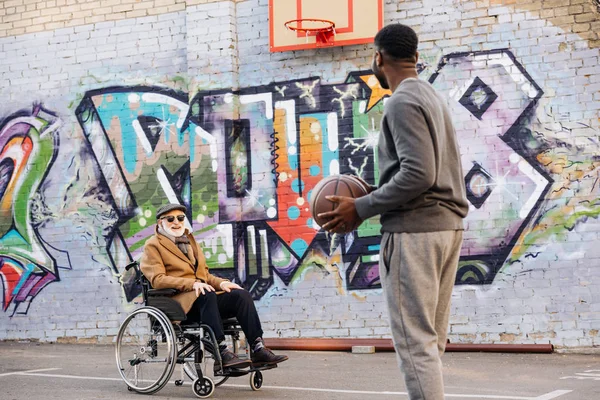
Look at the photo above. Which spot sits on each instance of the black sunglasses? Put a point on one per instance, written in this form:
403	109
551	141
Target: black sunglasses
171	218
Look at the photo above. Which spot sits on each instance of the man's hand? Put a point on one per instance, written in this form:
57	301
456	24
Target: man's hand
201	287
367	185
344	218
227	286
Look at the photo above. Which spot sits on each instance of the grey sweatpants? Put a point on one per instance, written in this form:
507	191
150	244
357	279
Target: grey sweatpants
417	273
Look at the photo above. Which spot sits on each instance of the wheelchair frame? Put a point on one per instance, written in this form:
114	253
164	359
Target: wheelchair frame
162	344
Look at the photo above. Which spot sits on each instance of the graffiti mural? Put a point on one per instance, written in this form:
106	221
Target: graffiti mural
148	154
244	163
27	150
303	128
492	98
238	160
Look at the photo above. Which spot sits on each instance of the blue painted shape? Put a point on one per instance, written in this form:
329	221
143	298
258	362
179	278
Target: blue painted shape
299	247
293	212
119	108
13	238
297	185
293	159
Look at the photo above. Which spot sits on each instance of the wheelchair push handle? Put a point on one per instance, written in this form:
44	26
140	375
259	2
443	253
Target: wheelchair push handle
149	291
135	265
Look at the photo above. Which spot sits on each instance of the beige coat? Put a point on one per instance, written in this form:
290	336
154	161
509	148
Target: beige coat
166	267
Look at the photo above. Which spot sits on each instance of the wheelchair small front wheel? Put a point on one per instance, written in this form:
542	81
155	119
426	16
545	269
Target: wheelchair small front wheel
256	380
208	367
203	387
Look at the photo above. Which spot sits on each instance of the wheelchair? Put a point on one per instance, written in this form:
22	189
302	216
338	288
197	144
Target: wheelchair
150	344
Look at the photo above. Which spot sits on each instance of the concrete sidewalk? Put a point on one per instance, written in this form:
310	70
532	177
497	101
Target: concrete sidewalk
75	372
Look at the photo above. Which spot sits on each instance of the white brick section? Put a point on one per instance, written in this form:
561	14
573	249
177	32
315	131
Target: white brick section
56	68
551	294
211	41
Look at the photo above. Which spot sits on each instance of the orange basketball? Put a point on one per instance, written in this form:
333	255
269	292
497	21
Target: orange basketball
335	185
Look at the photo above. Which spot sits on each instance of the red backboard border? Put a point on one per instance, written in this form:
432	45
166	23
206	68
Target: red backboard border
306	46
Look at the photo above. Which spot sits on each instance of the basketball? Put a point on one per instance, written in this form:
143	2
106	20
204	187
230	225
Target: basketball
335	185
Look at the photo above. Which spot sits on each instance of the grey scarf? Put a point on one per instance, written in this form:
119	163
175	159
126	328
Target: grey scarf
182	242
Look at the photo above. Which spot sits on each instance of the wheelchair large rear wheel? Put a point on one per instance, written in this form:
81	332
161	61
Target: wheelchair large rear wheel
146	350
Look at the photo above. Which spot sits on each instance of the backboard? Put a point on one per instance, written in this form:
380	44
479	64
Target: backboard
356	22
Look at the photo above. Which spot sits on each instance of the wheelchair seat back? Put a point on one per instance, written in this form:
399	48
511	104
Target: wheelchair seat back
166	304
159	298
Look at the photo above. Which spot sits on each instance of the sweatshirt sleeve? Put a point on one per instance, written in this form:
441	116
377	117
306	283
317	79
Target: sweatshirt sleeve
412	140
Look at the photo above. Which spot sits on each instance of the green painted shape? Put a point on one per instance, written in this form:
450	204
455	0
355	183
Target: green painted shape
38	163
282	262
370	120
213	255
310	263
370	227
557	223
479	264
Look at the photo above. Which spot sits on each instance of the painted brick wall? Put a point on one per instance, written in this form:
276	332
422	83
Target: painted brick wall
111	108
29	16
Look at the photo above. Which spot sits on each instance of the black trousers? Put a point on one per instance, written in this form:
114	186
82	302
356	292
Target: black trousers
211	309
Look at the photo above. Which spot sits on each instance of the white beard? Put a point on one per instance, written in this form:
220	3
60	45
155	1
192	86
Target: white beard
174	232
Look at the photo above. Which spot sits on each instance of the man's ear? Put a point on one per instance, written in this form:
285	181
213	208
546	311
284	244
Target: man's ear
416	57
378	58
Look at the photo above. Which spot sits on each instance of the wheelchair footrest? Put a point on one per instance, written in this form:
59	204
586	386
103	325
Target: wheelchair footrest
235	372
262	367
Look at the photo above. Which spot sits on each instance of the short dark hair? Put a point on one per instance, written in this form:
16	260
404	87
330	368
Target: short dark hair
398	41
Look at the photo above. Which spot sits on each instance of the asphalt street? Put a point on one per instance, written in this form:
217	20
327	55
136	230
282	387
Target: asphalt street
30	371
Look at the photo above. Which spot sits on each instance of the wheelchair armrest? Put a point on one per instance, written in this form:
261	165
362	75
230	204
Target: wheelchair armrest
162	292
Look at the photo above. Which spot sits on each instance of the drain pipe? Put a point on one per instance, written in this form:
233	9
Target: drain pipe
381	345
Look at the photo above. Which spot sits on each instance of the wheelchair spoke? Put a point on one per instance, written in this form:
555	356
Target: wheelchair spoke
146	350
135	374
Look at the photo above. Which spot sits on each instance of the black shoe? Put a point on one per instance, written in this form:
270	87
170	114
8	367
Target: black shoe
231	360
265	356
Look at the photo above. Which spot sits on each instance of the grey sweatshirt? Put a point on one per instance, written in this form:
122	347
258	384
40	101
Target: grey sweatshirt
421	184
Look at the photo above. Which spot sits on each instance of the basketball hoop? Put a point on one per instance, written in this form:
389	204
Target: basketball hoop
323	29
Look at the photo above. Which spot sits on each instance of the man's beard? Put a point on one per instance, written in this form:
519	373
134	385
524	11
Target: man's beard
382	81
379	75
174	232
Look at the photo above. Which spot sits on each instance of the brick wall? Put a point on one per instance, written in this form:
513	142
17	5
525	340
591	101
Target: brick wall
114	107
28	16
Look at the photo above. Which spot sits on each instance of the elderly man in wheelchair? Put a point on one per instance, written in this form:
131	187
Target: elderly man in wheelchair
185	298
